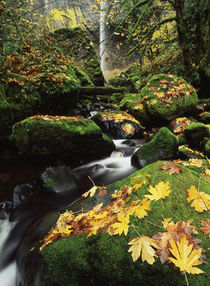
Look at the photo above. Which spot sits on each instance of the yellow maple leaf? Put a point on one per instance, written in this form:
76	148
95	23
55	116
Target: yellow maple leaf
91	192
167	221
140	210
139	181
196	162
201	200
185	258
122	225
160	191
143	246
160	94
128	128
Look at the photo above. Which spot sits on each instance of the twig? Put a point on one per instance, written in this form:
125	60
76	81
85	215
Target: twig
185	275
155	224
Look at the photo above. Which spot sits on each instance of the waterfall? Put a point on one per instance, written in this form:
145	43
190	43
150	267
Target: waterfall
103	37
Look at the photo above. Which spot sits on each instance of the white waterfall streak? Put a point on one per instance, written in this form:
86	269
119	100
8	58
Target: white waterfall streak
103	55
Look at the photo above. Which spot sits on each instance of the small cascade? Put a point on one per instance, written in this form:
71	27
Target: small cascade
8	274
108	170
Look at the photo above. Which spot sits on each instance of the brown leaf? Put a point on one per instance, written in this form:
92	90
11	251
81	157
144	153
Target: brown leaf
173	167
206	226
176	232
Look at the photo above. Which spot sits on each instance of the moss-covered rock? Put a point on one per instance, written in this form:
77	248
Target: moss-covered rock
195	133
118	124
162	147
61	136
207	148
168	96
76	44
204	117
133	103
103	259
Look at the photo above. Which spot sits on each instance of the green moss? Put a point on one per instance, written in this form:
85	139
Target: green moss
168	97
104	259
83	77
134	104
163	146
2	93
76	44
6	119
195	133
207	148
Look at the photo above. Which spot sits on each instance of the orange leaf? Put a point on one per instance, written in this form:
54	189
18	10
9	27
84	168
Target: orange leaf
174	168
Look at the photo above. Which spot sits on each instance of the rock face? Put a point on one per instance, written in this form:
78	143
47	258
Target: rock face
58	179
119	124
162	147
195	133
66	137
164	97
102	257
76	44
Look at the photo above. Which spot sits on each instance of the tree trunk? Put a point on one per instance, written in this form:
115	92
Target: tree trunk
182	33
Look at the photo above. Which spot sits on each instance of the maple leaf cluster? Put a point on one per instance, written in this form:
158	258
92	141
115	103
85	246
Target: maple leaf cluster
49	70
179	125
168	90
57	117
119	117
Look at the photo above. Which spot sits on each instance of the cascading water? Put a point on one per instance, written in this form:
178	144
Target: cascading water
8	274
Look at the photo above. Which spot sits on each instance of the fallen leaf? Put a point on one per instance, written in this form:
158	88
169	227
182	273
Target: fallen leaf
143	246
90	193
201	200
160	191
206	226
185	258
174	168
122	225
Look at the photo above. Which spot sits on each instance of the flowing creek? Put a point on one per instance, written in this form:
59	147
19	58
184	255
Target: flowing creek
13	226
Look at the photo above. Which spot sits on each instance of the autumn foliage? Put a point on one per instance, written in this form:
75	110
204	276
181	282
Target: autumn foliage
176	244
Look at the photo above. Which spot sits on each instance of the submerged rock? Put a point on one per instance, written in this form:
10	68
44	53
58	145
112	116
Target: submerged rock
118	124
162	147
58	179
102	257
61	136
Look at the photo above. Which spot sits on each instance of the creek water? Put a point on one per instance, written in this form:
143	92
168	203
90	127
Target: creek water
102	172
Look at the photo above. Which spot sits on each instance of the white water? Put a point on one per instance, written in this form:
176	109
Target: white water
102	46
108	170
8	274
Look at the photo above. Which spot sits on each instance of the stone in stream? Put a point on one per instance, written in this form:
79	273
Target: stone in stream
61	137
21	193
119	124
163	146
58	179
102	258
5	209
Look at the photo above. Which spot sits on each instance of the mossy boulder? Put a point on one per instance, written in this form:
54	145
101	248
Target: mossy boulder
76	44
118	124
104	259
70	137
162	147
195	133
204	117
133	103
207	148
166	97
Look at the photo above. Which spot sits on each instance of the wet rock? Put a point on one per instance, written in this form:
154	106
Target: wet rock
58	179
118	124
70	138
21	193
5	209
195	133
163	146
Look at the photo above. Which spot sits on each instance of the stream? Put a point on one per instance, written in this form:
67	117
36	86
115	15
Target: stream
14	225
